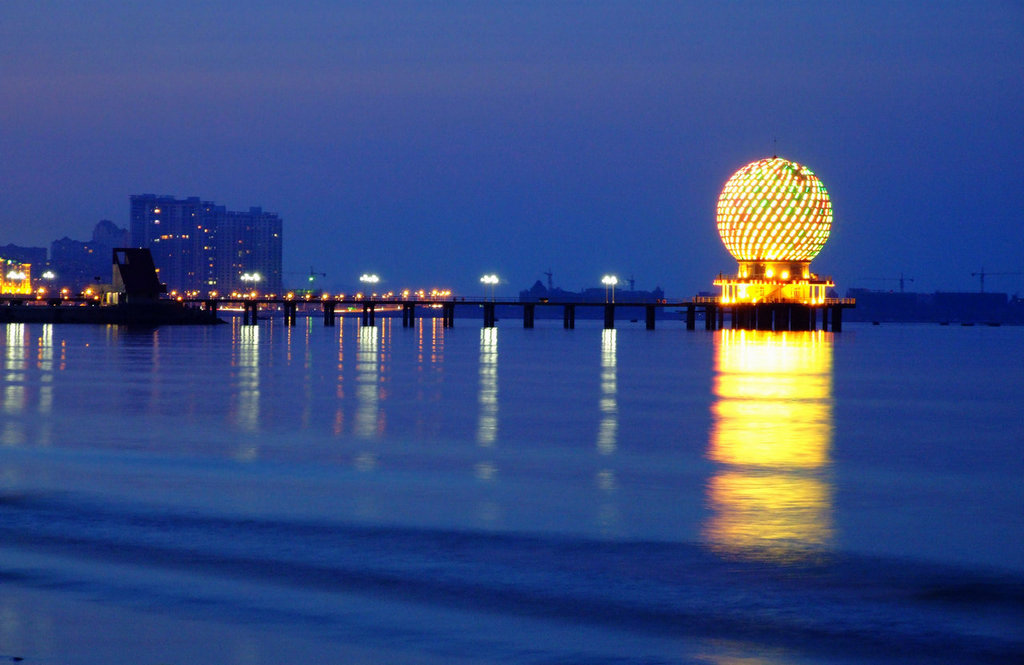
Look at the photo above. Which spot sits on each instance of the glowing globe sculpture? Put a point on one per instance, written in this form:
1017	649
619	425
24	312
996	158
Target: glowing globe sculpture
774	216
774	209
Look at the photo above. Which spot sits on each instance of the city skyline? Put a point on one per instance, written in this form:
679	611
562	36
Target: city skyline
429	143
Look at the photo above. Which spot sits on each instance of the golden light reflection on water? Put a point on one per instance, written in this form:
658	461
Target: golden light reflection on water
45	364
27	380
14	368
338	424
771	434
14	395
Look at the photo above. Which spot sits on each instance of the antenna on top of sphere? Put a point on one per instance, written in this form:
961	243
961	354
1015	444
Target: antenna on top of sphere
775	147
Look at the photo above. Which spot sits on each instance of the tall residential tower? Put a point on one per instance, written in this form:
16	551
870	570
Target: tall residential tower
200	247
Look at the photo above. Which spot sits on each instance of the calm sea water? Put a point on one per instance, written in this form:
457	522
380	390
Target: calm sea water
267	494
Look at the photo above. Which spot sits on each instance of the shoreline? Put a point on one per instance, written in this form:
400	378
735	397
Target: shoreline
141	314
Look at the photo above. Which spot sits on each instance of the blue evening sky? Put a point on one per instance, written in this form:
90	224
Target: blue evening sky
432	142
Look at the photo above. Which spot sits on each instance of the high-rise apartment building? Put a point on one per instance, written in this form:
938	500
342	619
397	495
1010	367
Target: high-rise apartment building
246	243
199	247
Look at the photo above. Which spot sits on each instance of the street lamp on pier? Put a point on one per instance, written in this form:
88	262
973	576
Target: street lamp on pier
252	280
370	279
490	280
609	281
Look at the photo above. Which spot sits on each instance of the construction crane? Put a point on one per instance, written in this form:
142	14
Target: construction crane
981	275
901	279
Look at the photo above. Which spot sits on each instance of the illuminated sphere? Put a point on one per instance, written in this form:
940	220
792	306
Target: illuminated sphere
774	210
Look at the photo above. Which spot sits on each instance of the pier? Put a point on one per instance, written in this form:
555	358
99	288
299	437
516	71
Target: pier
825	315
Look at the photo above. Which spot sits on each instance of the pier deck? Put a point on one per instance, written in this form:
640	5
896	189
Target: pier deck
760	316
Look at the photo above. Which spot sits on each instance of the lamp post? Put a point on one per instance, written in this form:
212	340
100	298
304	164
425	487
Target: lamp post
369	279
609	281
17	277
48	278
251	279
490	280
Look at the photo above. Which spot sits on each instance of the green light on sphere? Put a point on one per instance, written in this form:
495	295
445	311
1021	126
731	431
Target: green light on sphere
774	210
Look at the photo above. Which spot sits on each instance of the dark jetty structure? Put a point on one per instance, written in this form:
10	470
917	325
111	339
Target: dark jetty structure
134	300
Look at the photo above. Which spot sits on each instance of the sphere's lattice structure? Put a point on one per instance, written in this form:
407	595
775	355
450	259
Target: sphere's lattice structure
774	210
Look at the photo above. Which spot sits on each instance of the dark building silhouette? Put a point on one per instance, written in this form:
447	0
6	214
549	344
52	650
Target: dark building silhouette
35	256
108	234
938	307
199	246
600	294
79	264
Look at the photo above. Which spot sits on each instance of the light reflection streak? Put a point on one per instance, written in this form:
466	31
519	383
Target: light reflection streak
45	364
248	363
486	471
608	514
608	430
339	392
487	427
437	340
429	374
772	428
14	384
308	370
384	368
367	386
14	369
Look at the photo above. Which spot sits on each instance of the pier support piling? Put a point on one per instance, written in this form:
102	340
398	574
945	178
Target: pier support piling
368	314
709	316
837	318
529	311
569	317
800	318
650	317
782	317
249	310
